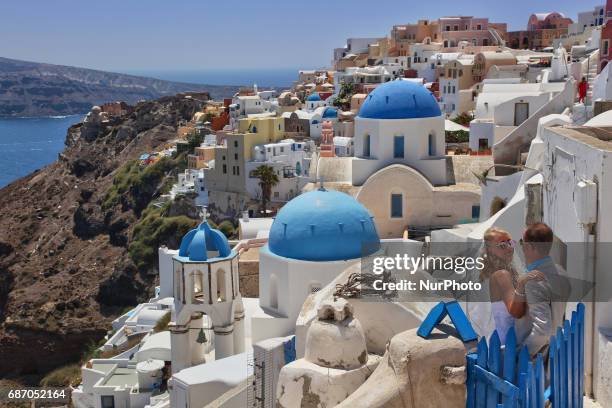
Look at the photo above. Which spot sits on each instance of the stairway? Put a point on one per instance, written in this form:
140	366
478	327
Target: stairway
590	78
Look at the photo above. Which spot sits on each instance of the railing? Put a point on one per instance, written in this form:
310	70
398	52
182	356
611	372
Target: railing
493	379
508	149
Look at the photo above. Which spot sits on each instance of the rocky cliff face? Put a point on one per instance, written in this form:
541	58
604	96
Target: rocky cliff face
65	271
36	89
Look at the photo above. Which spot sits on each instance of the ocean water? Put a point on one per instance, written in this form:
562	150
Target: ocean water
268	78
27	144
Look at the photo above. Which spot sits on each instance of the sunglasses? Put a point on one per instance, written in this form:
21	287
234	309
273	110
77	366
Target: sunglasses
506	244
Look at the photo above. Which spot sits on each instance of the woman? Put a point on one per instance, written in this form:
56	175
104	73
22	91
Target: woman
506	287
583	87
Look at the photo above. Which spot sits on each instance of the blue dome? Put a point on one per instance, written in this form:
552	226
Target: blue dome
196	244
314	97
330	113
399	100
323	226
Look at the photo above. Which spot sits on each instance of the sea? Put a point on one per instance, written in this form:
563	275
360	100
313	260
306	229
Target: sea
28	144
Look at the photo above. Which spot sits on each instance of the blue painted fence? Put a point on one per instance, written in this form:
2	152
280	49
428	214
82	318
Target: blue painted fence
497	377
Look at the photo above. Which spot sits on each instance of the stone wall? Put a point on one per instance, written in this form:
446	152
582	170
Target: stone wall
248	272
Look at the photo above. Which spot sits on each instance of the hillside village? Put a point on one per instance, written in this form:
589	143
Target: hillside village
430	134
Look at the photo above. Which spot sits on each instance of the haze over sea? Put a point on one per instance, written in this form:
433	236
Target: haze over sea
267	78
27	144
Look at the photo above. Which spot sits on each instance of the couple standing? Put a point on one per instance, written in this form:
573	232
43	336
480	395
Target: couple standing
532	302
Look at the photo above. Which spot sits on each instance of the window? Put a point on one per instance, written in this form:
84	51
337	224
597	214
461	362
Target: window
396	206
225	169
108	401
235	156
431	142
366	146
276	194
475	211
398	147
237	170
606	47
235	143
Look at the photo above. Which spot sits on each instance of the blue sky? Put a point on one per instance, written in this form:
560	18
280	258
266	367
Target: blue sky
243	34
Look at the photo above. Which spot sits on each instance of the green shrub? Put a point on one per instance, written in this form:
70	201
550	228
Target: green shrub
153	230
139	185
162	323
227	228
63	376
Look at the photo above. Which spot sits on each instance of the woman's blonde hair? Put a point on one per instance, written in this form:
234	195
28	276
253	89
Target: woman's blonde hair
492	263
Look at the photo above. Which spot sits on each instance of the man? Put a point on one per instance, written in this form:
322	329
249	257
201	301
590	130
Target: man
546	299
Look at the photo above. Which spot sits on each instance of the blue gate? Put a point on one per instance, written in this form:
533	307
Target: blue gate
494	380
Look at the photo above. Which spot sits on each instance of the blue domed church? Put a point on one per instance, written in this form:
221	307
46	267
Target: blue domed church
404	177
314	237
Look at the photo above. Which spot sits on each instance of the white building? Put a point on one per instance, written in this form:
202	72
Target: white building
291	162
368	75
206	288
505	104
251	106
453	99
400	122
314	237
592	18
424	59
344	146
353	46
313	101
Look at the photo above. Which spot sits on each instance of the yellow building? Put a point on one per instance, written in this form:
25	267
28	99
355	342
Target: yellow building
229	175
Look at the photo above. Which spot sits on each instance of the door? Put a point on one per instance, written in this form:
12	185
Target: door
521	113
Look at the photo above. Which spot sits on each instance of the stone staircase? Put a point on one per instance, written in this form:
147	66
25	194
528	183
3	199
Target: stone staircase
591	74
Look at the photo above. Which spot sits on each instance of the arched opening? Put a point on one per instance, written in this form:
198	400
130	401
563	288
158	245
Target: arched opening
273	292
199	294
366	146
431	144
177	281
221	286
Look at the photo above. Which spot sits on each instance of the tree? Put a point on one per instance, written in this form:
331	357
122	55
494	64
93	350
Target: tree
464	119
343	101
267	179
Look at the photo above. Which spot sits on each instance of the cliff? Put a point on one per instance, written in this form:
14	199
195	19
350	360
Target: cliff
37	89
66	234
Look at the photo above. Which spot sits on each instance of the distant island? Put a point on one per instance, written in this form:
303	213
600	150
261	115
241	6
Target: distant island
38	89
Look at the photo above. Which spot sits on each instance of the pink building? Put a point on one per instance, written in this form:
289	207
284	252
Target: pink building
474	30
544	21
606	37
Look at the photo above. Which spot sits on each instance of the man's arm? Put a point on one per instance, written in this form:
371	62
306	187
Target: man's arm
540	313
